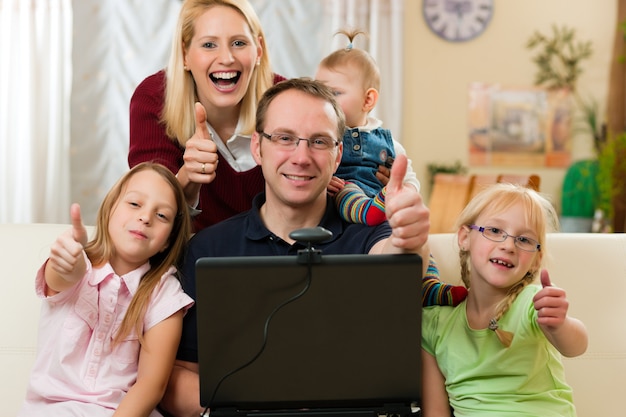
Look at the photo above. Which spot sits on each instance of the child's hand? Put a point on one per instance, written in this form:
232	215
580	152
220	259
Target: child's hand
336	184
383	174
550	303
66	253
566	333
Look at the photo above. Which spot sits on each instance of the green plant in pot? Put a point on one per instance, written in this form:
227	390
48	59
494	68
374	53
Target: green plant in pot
559	57
435	168
559	67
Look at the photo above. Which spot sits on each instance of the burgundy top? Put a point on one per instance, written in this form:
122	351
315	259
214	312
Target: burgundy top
230	193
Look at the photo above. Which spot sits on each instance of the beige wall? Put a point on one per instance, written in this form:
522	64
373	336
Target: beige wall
437	75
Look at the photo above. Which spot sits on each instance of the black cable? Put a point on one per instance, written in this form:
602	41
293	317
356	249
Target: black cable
266	327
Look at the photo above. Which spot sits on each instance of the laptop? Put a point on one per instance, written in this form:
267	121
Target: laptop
335	335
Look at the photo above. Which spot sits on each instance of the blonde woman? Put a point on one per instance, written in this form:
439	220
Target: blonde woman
196	116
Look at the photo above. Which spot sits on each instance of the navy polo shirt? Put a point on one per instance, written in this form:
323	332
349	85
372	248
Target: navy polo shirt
246	235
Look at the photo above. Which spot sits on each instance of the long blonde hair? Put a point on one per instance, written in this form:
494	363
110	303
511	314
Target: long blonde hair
540	216
357	58
180	90
100	249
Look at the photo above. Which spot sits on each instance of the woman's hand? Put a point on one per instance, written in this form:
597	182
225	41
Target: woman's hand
200	159
200	152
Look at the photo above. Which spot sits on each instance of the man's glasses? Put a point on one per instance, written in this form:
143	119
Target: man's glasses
498	235
290	142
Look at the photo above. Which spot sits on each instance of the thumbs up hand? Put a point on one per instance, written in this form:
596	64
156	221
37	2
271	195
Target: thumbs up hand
200	155
79	232
551	304
66	264
408	217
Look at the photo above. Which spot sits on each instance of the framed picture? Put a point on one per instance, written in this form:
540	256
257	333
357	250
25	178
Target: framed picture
519	126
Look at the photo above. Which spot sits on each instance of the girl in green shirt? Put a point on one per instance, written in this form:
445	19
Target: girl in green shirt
498	353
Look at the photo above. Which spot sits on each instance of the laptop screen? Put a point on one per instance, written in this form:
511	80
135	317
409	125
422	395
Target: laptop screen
276	333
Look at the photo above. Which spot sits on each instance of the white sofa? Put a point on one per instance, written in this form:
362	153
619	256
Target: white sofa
23	248
592	267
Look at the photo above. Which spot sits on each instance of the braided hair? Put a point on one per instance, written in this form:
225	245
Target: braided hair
540	216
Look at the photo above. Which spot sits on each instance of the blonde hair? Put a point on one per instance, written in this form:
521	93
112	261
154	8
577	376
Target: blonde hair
357	58
100	249
540	216
180	90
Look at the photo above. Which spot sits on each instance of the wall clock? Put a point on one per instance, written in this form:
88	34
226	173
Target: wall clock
457	20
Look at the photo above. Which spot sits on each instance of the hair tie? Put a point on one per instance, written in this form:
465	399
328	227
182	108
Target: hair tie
505	337
349	47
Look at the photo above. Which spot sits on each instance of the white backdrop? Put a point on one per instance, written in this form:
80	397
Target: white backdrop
114	44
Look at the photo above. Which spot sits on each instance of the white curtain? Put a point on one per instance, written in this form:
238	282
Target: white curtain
295	34
35	81
383	22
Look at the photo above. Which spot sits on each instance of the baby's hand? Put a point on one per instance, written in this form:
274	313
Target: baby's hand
66	253
550	303
336	184
383	174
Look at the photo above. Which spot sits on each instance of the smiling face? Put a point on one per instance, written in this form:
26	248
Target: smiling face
297	177
222	56
499	265
141	221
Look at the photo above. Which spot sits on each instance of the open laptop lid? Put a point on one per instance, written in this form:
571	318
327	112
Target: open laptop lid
350	342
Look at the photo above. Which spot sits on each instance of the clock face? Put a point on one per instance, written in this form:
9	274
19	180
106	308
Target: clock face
457	20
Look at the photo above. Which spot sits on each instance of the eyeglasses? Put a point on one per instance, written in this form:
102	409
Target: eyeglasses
290	142
498	235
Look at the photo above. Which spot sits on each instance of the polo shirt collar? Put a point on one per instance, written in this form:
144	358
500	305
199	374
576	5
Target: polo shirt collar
256	230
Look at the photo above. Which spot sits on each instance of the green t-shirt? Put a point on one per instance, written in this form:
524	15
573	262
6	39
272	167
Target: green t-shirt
484	378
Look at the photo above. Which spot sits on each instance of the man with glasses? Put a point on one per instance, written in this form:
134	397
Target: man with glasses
298	145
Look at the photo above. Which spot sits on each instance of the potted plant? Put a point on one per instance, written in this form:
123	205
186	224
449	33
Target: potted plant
435	168
559	67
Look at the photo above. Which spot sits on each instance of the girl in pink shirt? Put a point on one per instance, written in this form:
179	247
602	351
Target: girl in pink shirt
113	307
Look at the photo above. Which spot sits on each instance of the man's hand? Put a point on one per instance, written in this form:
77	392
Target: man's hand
406	212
